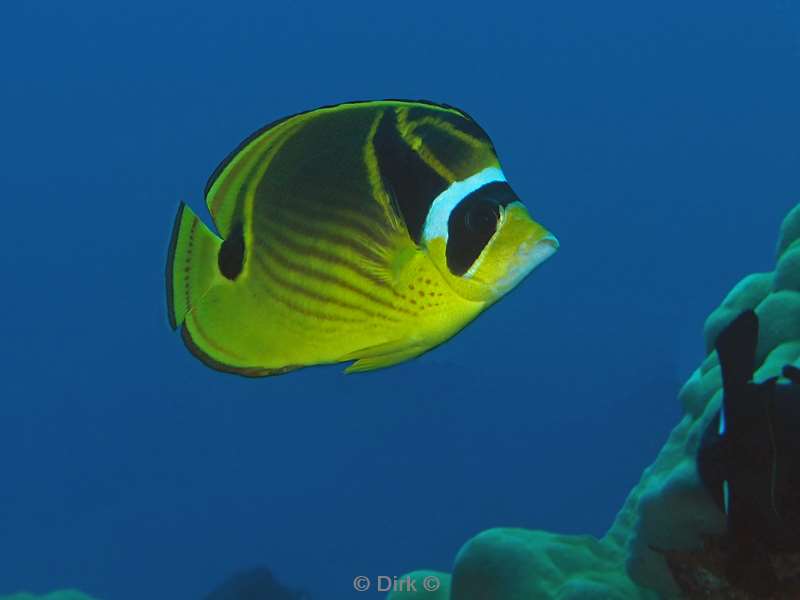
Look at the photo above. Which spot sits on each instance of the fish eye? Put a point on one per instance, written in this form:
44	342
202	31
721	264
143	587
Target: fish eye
482	218
472	224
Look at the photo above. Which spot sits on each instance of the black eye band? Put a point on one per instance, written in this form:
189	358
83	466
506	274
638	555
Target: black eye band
473	223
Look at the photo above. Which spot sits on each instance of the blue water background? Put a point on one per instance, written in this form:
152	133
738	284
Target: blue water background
659	141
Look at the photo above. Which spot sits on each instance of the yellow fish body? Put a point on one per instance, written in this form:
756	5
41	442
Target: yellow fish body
367	231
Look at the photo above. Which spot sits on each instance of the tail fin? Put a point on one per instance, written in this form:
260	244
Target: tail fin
736	346
191	264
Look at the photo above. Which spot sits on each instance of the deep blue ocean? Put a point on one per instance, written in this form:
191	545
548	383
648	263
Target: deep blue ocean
660	143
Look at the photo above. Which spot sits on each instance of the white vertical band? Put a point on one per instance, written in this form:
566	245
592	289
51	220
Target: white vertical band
444	203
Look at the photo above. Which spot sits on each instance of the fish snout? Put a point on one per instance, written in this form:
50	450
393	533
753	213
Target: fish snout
544	248
527	243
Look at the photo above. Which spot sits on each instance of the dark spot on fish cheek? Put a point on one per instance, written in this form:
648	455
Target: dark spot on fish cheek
231	253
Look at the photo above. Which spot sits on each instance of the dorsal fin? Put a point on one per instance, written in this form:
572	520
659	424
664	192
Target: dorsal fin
736	346
227	189
232	184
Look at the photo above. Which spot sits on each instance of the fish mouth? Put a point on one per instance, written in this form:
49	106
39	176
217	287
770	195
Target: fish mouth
534	245
530	255
518	246
543	249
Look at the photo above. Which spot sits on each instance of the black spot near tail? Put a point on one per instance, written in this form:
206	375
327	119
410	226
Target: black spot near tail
231	253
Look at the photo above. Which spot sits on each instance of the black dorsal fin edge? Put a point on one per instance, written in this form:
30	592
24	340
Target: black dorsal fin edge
243	144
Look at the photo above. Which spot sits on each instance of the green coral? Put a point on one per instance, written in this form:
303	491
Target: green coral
517	563
670	506
669	509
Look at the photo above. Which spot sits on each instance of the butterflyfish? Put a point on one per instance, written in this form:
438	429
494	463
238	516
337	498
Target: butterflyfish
366	231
